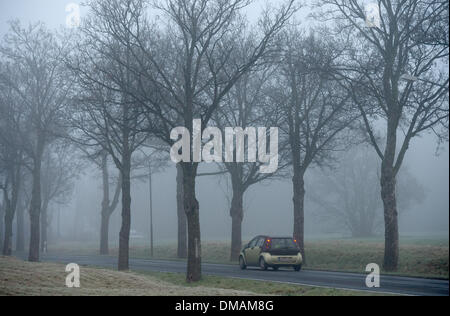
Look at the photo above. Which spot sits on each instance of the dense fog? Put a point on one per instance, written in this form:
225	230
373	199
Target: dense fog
267	205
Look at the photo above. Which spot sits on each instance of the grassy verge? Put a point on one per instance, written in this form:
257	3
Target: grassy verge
258	287
48	279
421	260
418	257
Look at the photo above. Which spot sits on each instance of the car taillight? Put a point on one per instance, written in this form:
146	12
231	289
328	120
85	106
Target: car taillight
267	244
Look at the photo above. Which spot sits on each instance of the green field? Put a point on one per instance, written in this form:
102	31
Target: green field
420	257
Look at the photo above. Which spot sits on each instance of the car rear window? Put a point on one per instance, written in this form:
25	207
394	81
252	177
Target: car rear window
283	243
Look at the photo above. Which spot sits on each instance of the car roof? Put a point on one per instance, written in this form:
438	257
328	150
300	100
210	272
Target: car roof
275	237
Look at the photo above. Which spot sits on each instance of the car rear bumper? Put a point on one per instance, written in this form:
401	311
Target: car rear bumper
276	260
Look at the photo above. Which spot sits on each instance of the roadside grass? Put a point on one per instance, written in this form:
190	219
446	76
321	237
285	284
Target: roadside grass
19	278
263	288
419	257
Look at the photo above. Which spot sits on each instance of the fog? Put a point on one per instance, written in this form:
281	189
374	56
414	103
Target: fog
267	206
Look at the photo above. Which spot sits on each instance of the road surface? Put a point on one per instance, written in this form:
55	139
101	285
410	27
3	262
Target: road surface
338	280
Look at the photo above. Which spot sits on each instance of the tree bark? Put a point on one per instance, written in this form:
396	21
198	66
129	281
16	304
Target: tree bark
7	242
124	239
105	216
237	216
2	218
391	250
33	255
44	227
191	207
181	214
20	238
299	167
299	210
108	207
10	209
104	234
7	222
35	207
388	183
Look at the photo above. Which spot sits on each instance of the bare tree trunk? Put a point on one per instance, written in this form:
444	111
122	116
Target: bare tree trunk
7	221
105	215
104	234
2	218
299	210
237	215
107	207
44	227
20	238
181	214
7	242
388	182
124	239
35	210
150	182
391	251
35	207
10	210
191	207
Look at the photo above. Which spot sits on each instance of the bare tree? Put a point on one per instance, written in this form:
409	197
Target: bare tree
353	202
60	168
101	159
397	73
106	115
11	162
317	110
35	73
247	106
189	63
108	205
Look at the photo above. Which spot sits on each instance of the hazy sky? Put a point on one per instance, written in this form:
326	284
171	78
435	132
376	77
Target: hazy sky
268	206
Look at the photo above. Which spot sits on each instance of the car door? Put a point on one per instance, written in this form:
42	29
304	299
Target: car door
254	251
250	252
258	249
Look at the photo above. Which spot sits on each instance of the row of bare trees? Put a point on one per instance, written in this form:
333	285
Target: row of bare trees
34	89
136	69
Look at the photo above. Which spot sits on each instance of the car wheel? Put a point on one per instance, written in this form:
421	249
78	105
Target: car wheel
262	264
242	263
275	268
298	268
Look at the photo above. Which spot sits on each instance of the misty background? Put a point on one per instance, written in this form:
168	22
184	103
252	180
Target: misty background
268	207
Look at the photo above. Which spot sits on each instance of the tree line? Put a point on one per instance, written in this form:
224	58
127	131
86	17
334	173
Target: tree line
113	89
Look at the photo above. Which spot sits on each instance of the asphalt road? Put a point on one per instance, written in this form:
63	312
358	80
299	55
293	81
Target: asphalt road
339	280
